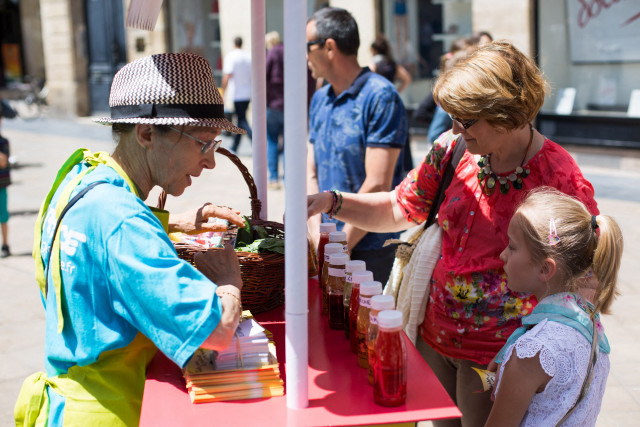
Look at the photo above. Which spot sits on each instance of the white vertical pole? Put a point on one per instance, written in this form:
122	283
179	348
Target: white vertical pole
295	154
259	101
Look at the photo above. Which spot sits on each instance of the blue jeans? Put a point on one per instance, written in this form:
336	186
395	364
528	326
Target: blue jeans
241	112
275	128
378	261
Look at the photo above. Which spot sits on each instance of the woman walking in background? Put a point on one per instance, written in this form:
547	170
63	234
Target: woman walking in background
384	64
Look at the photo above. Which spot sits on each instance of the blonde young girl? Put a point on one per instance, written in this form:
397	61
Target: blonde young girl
553	243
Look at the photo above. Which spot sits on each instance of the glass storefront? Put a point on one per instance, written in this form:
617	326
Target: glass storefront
591	46
11	64
590	53
420	31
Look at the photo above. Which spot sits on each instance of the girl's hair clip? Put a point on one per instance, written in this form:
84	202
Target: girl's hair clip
553	234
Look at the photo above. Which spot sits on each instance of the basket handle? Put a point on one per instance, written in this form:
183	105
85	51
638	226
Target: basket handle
256	204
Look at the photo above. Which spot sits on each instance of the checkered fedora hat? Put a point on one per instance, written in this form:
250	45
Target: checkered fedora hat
167	89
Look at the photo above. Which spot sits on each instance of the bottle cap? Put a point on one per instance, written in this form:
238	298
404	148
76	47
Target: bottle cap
382	302
338	258
332	248
327	227
370	288
337	236
390	319
355	265
361	276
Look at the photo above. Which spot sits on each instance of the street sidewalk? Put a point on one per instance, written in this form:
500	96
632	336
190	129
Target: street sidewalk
42	145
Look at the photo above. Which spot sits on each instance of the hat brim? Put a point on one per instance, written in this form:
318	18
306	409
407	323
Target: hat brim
175	121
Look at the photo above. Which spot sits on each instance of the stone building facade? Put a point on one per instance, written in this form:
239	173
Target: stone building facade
77	45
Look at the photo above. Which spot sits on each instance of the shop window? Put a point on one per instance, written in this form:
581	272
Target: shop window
11	65
590	46
422	30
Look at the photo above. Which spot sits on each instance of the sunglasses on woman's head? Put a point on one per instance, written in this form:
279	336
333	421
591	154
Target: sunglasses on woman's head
466	124
214	144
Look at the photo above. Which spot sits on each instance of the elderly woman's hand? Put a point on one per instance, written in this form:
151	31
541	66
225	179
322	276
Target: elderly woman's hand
318	203
195	222
221	266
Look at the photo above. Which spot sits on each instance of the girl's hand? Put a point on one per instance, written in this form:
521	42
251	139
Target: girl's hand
196	222
493	367
319	203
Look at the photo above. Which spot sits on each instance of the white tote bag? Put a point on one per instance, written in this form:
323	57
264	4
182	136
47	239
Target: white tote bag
411	288
410	279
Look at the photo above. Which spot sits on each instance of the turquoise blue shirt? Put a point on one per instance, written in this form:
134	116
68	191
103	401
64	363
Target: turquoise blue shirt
121	275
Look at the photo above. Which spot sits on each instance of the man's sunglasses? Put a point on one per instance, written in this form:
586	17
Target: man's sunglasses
312	42
466	124
214	144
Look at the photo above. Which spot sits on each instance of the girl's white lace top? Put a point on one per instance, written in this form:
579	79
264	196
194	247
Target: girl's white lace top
564	355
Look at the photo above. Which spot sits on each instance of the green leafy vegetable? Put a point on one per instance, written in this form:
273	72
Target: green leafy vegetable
270	244
244	236
256	239
260	231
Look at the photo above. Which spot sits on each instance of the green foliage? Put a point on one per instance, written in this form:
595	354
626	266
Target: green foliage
255	239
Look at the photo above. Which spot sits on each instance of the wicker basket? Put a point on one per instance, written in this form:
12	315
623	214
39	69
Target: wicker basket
262	273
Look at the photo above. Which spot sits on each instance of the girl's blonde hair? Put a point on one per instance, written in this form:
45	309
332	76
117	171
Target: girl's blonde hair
579	246
496	82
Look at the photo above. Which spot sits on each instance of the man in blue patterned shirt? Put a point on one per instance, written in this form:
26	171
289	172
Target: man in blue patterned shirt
357	128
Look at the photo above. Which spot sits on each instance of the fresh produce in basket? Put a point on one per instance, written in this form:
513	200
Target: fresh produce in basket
254	238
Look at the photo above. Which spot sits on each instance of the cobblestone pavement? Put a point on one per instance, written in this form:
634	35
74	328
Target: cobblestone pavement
42	145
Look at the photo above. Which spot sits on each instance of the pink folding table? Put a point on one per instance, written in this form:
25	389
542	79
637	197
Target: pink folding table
339	393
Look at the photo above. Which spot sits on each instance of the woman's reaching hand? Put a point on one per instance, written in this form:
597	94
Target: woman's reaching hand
318	203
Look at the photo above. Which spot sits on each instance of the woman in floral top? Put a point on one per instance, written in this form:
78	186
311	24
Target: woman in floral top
493	97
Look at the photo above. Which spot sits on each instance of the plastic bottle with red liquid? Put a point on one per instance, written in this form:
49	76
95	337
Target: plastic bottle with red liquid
357	278
390	370
367	290
378	303
325	229
335	289
335	237
329	249
351	267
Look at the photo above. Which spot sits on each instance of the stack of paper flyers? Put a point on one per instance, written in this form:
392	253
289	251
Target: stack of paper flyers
247	369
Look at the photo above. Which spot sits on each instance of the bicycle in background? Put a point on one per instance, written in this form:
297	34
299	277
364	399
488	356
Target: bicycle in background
28	98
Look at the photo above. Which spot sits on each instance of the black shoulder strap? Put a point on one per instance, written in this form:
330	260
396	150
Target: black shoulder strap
447	176
55	231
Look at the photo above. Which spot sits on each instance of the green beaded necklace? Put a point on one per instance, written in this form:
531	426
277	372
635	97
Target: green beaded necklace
488	179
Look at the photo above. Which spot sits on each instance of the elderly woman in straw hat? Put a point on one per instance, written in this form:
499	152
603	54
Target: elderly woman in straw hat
112	284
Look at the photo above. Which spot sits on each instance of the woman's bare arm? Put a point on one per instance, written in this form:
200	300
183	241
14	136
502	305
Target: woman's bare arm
222	267
376	212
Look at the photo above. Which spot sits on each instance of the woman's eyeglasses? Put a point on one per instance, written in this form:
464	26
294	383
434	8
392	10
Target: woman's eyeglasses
312	42
214	144
466	124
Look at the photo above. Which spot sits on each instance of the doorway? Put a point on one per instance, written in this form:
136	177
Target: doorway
107	51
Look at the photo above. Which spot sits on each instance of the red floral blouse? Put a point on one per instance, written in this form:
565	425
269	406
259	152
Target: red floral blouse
471	312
